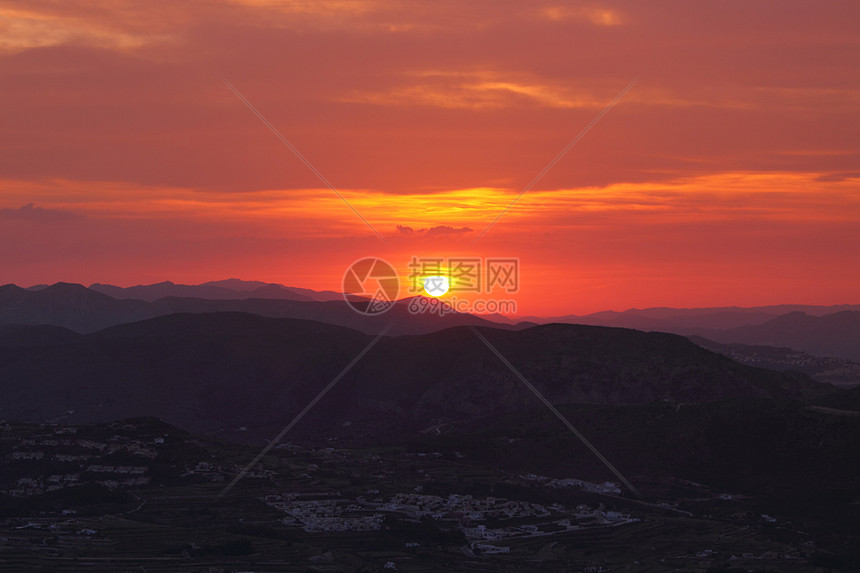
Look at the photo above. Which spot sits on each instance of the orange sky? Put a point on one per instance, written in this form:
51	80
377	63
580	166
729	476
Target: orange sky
729	175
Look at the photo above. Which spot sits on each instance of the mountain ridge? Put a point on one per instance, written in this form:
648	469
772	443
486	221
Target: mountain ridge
216	372
85	310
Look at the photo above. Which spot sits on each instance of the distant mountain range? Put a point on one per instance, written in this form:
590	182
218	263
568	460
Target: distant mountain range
827	331
230	289
820	331
219	372
837	371
692	320
836	334
87	310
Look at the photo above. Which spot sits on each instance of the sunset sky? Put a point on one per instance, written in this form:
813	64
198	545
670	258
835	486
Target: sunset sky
728	175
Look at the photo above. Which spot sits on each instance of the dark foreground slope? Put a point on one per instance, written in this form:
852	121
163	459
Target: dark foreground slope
427	439
222	371
358	509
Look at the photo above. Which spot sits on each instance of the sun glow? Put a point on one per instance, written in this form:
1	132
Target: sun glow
436	285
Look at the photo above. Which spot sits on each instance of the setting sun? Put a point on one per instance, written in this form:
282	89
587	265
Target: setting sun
436	285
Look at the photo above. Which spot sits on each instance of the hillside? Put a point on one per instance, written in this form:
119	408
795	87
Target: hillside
827	369
68	305
836	334
218	372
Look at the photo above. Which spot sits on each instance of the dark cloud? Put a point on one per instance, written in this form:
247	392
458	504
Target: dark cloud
29	212
837	177
438	231
445	230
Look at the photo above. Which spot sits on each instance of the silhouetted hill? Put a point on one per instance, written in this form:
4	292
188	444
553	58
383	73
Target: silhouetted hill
331	312
229	289
823	331
68	305
836	334
842	400
86	310
220	371
787	452
239	285
676	321
692	320
215	291
837	371
572	364
23	336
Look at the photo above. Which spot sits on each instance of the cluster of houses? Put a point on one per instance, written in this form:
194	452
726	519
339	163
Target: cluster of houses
607	487
206	470
325	513
463	508
62	444
331	512
584	516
